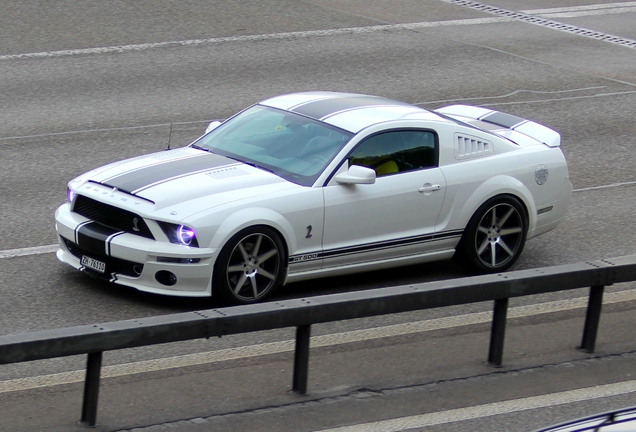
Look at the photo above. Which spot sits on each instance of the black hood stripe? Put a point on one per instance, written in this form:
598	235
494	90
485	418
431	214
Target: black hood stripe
136	180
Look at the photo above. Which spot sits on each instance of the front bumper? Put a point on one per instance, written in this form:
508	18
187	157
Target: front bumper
135	261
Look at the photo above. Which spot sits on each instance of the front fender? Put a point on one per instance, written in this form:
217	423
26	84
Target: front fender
247	217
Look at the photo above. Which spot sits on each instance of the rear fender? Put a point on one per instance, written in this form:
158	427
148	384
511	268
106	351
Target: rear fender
465	207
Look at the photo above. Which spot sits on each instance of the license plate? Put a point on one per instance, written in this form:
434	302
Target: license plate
93	264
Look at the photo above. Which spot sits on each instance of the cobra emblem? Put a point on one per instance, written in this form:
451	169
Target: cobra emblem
135	226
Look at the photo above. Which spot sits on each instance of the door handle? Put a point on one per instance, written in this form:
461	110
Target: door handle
428	188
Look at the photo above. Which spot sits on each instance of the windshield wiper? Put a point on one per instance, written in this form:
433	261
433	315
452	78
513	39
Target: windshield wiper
199	148
250	163
255	165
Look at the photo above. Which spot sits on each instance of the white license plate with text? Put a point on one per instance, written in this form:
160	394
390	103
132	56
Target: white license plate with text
93	264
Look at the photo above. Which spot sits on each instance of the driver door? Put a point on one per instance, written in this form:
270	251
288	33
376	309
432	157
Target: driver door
396	215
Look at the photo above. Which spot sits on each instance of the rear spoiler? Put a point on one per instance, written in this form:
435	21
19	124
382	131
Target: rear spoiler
510	125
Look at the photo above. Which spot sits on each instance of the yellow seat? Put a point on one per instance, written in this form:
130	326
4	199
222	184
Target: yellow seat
386	167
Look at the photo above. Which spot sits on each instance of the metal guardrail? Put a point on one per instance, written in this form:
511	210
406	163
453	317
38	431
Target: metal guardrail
94	340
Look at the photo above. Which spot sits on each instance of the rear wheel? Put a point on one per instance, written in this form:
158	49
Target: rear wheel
494	237
250	266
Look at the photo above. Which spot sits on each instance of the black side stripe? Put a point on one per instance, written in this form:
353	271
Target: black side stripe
371	247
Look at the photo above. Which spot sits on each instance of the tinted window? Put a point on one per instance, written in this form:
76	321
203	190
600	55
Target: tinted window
396	151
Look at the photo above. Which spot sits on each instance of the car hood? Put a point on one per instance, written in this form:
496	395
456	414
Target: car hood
185	180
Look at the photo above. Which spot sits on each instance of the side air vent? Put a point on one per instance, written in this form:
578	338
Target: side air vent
467	146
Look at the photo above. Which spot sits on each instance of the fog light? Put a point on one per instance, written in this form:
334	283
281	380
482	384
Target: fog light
166	278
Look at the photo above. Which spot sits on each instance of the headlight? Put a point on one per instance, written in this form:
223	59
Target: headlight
70	194
180	234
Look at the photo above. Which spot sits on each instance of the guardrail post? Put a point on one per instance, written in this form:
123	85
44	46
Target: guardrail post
497	332
301	359
592	318
91	389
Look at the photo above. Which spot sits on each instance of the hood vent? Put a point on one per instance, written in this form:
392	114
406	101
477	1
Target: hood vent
226	173
467	146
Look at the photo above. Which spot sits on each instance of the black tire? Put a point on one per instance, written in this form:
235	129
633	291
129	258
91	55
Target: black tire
250	266
494	237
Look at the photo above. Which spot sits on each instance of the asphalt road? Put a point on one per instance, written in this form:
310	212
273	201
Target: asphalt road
85	84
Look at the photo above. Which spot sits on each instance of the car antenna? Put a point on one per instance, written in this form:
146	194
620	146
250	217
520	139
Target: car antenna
169	137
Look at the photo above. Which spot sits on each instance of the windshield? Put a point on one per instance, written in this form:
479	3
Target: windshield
293	147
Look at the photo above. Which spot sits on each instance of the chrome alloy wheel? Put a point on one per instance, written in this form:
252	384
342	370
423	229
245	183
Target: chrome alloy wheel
500	235
253	267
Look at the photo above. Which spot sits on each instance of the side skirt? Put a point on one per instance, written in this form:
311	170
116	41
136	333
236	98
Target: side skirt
438	255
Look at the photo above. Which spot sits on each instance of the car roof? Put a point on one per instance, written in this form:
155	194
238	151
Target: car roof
349	111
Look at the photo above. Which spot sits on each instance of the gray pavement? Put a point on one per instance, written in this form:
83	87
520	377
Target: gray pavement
66	111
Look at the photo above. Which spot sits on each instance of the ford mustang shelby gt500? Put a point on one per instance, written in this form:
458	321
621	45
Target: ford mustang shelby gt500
315	184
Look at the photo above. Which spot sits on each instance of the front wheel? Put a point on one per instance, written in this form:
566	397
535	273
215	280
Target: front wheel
250	266
494	237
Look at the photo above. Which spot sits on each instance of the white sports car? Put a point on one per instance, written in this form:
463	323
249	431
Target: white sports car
317	184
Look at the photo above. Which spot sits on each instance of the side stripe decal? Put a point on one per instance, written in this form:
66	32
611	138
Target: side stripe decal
370	247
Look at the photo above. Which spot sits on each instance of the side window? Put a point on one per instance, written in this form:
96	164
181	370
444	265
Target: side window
396	151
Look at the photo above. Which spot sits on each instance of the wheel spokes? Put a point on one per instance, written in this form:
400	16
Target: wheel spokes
243	252
490	246
505	247
240	283
503	220
267	255
482	247
257	245
493	254
508	231
251	273
254	286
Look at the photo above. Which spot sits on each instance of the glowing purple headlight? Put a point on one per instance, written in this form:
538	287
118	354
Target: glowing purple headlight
186	235
70	194
179	234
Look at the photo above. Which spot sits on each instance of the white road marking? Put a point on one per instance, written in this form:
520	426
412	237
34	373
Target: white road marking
613	185
154	365
545	21
611	8
583	9
37	250
252	38
491	409
588	13
512	93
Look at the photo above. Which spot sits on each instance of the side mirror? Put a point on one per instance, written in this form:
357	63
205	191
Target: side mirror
356	174
213	125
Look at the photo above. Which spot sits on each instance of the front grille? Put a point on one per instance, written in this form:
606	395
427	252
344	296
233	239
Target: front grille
111	216
113	265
